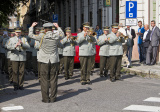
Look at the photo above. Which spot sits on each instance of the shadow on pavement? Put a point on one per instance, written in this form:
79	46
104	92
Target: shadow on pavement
70	93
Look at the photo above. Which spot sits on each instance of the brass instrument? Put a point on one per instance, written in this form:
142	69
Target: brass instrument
122	36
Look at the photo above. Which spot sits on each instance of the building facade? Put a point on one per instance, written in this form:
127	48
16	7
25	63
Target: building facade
147	10
72	13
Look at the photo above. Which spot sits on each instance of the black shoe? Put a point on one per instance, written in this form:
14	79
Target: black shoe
112	80
88	82
21	88
15	88
83	83
66	78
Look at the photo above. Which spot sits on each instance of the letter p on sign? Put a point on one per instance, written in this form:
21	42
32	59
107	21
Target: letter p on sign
131	5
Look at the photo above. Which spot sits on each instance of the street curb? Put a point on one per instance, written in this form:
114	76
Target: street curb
143	73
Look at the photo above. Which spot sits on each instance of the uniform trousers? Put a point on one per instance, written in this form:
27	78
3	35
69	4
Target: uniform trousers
34	63
68	65
10	71
39	68
18	73
104	65
115	66
29	60
61	64
92	62
49	77
85	62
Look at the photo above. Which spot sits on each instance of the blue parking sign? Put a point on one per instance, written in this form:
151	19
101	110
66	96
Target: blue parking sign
131	9
55	17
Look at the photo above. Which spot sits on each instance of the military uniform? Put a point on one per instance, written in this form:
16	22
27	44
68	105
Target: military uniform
104	53
68	54
18	58
34	56
115	53
94	42
85	53
60	52
36	46
28	55
10	71
49	58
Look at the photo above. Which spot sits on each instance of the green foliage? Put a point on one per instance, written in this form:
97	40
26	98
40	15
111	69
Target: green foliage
7	8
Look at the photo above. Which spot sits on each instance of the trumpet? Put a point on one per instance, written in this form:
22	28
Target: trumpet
122	36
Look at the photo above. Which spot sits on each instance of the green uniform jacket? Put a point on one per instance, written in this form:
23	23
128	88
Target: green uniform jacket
48	51
19	53
115	48
68	47
104	46
85	44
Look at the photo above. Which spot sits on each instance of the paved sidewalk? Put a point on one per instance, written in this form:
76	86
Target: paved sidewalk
143	70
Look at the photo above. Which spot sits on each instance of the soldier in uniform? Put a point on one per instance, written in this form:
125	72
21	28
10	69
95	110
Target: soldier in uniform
29	54
49	58
115	53
18	46
37	46
10	71
104	52
68	53
85	52
60	52
93	34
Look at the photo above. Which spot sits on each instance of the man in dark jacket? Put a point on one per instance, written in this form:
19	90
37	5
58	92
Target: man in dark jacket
131	31
146	41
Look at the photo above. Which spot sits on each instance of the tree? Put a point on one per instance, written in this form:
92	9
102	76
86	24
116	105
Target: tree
9	7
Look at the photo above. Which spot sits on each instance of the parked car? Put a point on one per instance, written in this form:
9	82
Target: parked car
76	58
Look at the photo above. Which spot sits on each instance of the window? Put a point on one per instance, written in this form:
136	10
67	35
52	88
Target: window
10	24
15	24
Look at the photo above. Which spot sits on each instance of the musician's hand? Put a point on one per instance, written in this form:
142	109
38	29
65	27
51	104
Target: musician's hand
85	34
20	41
72	37
56	25
117	34
106	39
34	24
18	44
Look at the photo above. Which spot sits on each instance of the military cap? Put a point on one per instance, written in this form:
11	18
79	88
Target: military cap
47	25
18	29
11	31
114	25
68	29
86	24
106	28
